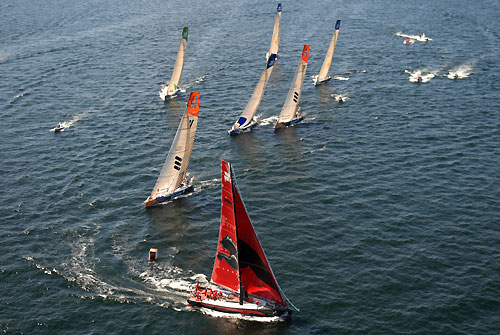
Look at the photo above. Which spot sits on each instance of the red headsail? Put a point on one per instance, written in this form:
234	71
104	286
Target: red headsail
256	275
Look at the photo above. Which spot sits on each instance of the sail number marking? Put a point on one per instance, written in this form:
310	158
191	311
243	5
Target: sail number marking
177	163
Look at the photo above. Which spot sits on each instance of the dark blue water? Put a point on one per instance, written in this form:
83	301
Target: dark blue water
379	215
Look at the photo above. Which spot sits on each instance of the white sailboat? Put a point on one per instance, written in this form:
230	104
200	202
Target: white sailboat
323	73
172	88
275	42
247	119
173	180
290	113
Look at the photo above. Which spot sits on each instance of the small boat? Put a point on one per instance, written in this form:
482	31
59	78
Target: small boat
413	38
275	41
290	112
174	179
59	128
247	119
172	88
423	38
323	76
242	280
409	41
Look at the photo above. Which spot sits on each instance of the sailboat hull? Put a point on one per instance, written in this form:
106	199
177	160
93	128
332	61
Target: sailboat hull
164	198
243	129
322	80
280	125
222	303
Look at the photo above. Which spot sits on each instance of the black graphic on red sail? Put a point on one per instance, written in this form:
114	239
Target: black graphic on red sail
229	245
256	274
225	270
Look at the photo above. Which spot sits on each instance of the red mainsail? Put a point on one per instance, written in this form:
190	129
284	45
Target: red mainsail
226	268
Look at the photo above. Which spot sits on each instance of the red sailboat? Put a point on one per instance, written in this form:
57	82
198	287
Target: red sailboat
242	280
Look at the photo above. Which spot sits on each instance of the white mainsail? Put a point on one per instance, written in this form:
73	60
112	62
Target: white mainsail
174	169
247	117
179	64
290	108
323	73
275	42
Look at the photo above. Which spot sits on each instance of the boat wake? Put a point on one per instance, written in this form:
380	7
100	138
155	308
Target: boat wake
67	124
269	120
236	316
420	38
418	76
340	78
340	97
155	283
20	95
204	184
195	81
460	72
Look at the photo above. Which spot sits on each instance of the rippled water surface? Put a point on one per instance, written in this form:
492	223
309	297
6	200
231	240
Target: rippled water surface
379	215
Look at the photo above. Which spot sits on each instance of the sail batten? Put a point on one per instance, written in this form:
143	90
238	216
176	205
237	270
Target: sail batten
179	64
174	169
327	62
290	108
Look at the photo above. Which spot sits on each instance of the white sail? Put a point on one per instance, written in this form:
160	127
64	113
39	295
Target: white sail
323	73
290	108
174	169
179	64
246	118
275	42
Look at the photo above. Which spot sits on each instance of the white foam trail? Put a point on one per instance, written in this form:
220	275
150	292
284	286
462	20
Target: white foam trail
18	96
460	72
203	184
269	120
340	97
195	81
314	150
340	78
236	316
420	38
419	74
171	279
70	123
